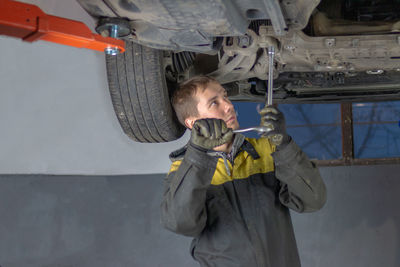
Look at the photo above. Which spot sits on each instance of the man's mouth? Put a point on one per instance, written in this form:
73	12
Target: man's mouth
231	119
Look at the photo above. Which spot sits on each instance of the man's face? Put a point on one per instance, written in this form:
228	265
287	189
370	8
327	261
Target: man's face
213	102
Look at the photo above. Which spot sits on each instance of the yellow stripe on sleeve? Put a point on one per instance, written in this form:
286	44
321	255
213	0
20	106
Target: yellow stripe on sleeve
174	166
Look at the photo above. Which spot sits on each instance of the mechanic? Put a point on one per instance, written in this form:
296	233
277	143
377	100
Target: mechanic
232	193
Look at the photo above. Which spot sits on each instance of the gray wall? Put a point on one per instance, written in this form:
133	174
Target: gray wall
360	224
114	221
86	221
56	115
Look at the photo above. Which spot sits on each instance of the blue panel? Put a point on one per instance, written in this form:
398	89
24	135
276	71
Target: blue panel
376	129
316	128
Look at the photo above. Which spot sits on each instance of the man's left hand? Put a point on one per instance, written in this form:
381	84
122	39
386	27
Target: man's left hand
274	118
210	133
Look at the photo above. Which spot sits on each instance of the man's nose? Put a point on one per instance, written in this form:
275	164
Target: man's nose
228	105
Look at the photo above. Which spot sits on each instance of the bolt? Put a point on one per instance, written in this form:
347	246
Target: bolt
244	41
113	34
113	51
114	31
330	42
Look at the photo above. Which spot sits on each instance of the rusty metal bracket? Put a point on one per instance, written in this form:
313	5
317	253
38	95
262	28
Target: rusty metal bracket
30	23
347	132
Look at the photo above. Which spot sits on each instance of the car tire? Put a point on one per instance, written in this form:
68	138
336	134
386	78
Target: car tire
140	95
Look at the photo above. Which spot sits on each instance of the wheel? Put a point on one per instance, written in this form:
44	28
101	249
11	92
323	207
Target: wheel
140	95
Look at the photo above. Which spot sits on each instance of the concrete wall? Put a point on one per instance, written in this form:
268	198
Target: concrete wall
104	221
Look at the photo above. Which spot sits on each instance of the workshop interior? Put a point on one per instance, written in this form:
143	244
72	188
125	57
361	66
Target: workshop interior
87	125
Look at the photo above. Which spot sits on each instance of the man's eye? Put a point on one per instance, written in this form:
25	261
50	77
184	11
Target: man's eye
213	103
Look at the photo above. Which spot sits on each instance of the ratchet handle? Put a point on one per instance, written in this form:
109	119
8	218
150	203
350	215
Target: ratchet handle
275	139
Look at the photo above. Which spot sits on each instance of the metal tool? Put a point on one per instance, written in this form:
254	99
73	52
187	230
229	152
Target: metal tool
271	54
258	129
277	138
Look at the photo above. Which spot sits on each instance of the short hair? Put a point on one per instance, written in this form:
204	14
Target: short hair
183	100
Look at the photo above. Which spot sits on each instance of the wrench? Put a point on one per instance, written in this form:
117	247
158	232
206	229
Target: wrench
258	129
277	138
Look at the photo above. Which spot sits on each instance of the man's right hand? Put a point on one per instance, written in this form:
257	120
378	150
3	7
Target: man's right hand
210	133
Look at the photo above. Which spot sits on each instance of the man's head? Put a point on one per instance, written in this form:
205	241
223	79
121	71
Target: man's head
203	97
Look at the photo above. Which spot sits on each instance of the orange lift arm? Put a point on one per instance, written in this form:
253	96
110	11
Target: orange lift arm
30	23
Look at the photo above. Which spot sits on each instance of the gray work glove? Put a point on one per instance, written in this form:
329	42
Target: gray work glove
210	133
273	118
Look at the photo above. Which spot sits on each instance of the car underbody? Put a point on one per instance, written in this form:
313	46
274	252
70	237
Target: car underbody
333	50
325	51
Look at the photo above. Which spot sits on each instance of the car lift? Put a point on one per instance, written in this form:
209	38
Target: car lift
30	23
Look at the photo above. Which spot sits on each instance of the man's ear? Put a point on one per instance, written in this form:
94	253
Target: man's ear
189	122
